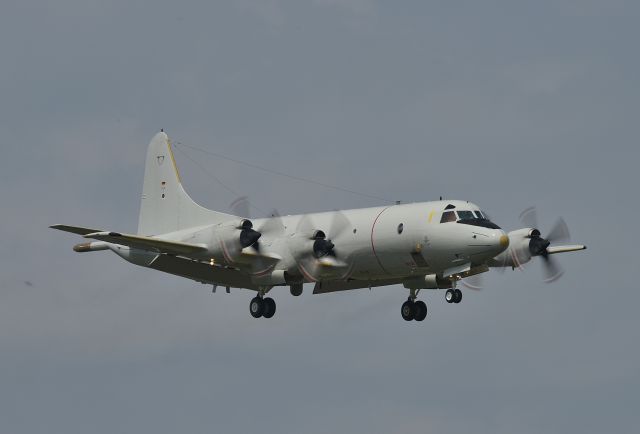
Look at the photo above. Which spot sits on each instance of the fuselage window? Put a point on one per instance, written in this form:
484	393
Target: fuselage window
448	216
400	228
466	215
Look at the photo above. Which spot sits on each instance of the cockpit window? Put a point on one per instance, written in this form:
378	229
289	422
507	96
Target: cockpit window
476	218
466	215
448	216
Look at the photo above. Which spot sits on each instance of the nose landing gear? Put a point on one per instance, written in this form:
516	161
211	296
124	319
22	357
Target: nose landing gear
453	295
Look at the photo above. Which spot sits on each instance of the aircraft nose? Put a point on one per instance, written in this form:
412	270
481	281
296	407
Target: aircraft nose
501	240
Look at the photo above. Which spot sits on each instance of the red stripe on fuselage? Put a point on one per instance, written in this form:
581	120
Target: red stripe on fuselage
373	247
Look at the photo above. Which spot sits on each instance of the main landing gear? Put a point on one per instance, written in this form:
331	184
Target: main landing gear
412	309
261	306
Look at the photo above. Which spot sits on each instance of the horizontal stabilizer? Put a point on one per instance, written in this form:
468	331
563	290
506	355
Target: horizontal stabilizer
147	243
75	229
135	241
564	249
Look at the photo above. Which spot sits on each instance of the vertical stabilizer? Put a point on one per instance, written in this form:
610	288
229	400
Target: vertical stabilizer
165	205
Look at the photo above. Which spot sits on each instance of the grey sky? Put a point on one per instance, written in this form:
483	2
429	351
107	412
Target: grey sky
508	104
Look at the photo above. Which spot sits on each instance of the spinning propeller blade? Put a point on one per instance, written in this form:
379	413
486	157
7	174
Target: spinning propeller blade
475	282
538	245
322	255
559	232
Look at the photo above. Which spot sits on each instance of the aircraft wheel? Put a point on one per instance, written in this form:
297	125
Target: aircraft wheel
408	310
458	296
420	309
450	295
256	307
296	289
269	307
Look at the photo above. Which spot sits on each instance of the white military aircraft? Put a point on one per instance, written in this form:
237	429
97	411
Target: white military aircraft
429	245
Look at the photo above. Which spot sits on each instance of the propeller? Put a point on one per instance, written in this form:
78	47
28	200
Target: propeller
250	237
538	245
323	250
272	228
475	282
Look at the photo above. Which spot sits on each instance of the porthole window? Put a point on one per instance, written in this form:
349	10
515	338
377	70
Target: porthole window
400	228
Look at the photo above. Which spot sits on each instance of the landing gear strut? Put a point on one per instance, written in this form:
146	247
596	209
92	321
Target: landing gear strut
412	309
261	306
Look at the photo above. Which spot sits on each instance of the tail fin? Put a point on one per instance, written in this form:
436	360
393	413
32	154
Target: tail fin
165	205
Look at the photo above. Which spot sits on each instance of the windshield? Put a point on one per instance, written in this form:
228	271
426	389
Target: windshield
476	218
448	216
466	215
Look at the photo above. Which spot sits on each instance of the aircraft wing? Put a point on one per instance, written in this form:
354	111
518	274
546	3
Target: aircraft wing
324	287
563	249
135	241
203	273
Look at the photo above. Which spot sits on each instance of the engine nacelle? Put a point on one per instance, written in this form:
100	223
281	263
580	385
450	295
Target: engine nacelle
518	252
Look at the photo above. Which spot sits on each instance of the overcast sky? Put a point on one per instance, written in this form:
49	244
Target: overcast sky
507	104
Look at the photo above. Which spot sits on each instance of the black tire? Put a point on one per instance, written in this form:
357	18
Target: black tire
458	296
450	295
256	307
296	289
408	310
420	309
269	307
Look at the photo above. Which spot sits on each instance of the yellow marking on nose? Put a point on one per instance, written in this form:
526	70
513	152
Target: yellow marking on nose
504	241
431	215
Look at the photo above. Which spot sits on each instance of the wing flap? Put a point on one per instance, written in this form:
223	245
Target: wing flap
326	286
